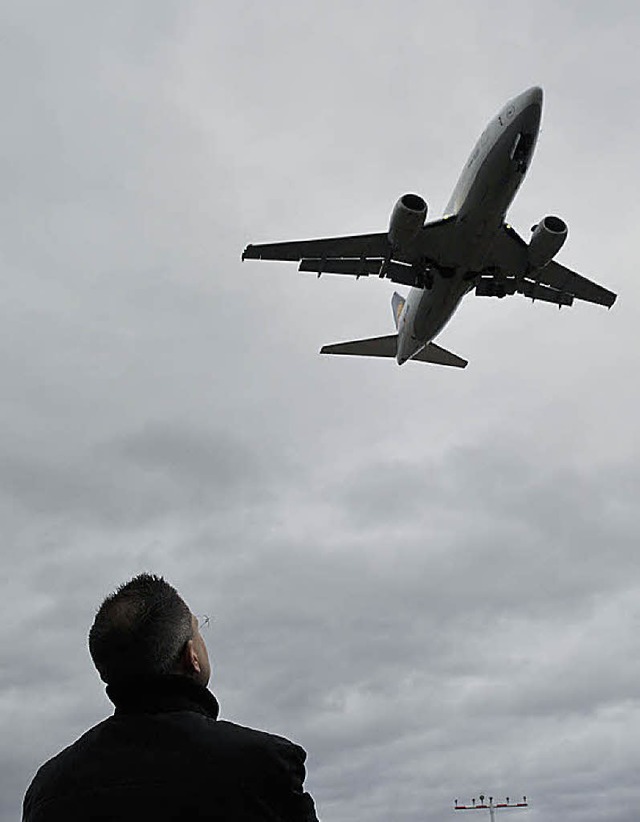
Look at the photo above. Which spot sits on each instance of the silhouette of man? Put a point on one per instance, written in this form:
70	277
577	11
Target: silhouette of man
164	754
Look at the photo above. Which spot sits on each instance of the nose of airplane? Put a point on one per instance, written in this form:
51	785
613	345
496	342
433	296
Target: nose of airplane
532	97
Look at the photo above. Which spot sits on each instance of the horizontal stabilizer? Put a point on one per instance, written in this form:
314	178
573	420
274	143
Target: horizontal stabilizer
439	356
388	346
372	347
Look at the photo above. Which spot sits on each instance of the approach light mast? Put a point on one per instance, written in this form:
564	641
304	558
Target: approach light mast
490	805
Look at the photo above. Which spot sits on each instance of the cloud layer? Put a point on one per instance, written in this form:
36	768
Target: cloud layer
427	579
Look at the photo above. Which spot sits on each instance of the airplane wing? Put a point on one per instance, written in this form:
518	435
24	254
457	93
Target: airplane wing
565	280
509	255
362	255
356	247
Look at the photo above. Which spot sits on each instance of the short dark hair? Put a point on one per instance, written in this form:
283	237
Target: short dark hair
139	630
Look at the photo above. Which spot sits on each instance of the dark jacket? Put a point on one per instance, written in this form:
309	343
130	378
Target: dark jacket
164	755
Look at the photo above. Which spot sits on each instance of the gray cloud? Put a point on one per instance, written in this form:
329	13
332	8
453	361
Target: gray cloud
158	472
429	579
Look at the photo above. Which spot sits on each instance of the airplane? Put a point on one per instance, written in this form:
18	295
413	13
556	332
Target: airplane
470	247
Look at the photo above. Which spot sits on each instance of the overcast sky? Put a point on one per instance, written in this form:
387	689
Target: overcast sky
427	577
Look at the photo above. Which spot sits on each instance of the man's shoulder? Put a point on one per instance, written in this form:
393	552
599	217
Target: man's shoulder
63	764
251	739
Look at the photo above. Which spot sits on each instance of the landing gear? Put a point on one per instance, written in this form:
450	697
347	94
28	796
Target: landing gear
427	279
422	274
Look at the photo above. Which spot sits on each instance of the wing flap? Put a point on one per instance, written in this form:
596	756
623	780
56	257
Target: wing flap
538	291
396	272
503	286
357	268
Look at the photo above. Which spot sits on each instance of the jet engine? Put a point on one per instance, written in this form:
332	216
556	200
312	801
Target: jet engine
547	239
407	218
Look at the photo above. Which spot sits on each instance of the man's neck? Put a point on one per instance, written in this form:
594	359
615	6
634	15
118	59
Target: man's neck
162	694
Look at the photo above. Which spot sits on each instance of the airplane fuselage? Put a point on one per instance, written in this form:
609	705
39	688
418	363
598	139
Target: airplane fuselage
479	202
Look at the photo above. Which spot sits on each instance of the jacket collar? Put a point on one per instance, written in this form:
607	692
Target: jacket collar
162	694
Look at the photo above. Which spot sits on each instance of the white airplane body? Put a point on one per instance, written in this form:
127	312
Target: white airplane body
470	247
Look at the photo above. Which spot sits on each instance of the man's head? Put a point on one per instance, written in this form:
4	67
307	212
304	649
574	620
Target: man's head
146	629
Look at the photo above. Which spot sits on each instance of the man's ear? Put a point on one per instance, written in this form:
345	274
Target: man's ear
189	659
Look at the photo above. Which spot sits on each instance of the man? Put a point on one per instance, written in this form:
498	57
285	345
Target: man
164	755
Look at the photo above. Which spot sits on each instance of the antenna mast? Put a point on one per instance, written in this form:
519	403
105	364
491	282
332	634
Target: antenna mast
491	807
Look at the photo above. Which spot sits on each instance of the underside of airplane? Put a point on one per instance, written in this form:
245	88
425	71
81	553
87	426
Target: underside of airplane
470	248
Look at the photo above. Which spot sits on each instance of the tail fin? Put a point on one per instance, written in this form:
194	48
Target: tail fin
397	304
